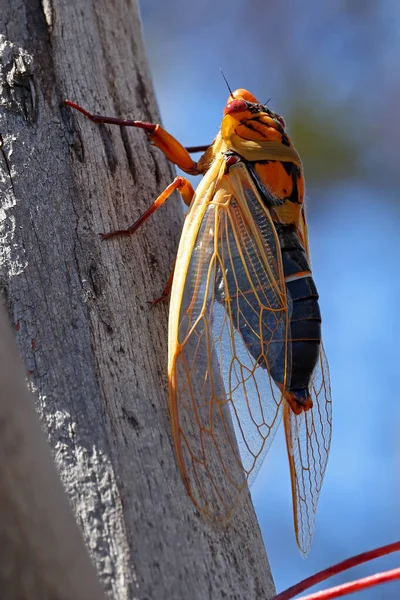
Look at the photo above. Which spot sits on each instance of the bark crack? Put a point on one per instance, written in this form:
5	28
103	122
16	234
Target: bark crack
6	162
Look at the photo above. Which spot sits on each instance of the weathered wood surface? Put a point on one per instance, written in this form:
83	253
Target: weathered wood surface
94	350
42	553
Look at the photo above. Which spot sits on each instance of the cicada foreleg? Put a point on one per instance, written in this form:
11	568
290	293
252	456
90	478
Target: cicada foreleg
174	151
184	187
160	138
181	184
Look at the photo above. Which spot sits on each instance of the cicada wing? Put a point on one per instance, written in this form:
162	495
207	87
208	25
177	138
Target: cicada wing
229	359
308	438
303	231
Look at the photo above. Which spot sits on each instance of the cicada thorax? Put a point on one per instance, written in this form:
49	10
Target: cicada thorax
258	139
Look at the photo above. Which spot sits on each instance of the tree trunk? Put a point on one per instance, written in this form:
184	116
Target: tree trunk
42	554
94	349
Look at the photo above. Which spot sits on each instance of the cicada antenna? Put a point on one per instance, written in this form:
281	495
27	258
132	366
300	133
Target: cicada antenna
226	81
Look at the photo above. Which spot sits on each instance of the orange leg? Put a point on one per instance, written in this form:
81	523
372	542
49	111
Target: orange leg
167	290
172	149
181	184
175	152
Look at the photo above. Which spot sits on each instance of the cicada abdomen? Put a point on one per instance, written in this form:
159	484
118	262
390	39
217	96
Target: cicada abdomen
305	316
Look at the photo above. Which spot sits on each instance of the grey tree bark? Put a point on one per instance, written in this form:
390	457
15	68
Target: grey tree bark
94	351
42	553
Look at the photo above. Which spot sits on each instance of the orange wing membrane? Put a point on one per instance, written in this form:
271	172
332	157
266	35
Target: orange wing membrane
245	326
229	328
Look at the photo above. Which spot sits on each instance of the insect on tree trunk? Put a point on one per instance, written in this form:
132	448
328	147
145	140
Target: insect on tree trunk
94	350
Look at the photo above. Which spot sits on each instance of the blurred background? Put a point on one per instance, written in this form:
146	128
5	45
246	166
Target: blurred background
331	68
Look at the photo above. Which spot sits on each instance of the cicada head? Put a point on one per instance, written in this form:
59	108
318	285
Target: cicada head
254	131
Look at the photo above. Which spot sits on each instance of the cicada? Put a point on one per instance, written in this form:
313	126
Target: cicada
244	342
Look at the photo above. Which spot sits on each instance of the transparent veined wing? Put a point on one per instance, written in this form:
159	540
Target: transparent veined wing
229	352
308	438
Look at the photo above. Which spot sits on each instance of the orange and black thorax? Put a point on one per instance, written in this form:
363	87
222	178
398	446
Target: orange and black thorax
258	136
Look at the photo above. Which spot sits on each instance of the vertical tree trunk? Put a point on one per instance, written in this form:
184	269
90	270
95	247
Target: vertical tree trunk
42	554
94	350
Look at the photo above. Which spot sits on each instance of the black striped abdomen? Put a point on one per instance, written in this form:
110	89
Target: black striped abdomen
305	318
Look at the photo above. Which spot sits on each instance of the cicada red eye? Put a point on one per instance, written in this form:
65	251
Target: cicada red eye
235	106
